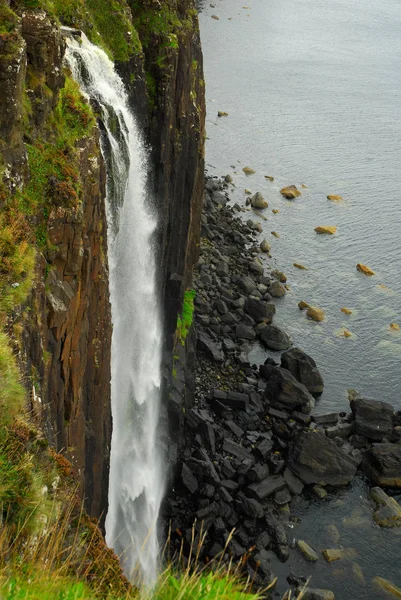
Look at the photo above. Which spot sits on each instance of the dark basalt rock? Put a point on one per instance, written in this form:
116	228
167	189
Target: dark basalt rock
314	458
209	347
382	464
189	479
274	338
259	310
284	390
266	488
304	369
372	419
245	332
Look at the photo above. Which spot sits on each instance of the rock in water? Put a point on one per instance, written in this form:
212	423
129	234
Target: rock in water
382	464
315	313
222	113
274	338
307	552
257	201
290	192
248	171
265	246
329	229
346	311
388	511
387	586
372	419
334	198
315	594
299	266
364	269
394	326
314	458
302	305
259	310
304	369
277	290
269	177
284	390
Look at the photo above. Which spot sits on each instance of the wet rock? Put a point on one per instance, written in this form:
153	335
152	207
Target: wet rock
300	267
334	198
282	388
315	313
290	192
248	171
258	472
342	430
236	450
209	347
265	246
364	269
282	497
333	554
236	400
228	178
382	464
302	305
263	541
388	511
259	310
274	338
307	552
328	229
372	419
257	201
314	458
251	507
304	369
275	234
277	290
319	491
346	311
387	586
189	479
315	594
327	419
276	529
245	332
279	275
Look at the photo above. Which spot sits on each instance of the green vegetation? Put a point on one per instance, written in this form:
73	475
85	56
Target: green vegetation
8	20
184	321
107	23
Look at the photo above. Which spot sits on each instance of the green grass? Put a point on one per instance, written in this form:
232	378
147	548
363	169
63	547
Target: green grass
184	321
8	20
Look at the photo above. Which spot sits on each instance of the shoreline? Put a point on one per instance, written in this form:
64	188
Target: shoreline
250	440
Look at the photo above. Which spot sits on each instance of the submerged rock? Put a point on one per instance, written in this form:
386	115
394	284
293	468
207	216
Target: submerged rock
269	177
299	266
290	192
315	313
329	229
277	290
265	246
387	586
388	511
332	554
302	305
346	311
307	552
334	198
315	458
275	234
315	594
248	171
364	269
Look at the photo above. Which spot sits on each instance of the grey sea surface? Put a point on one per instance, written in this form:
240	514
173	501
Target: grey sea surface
313	95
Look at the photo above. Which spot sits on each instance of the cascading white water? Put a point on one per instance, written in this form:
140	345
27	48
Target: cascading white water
136	473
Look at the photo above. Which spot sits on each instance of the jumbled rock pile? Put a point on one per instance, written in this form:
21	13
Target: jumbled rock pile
251	444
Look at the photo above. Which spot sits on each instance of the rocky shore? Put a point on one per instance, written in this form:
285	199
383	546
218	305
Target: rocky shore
252	442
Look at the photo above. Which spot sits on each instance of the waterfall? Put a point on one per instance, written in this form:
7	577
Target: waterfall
136	470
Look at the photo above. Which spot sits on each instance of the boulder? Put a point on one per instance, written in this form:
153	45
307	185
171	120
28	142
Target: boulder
209	347
314	458
244	332
246	284
388	511
372	419
328	229
315	313
255	267
277	290
382	464
259	311
279	275
302	305
283	389
265	246
307	552
265	488
364	269
304	369
188	479
290	192
257	201
274	338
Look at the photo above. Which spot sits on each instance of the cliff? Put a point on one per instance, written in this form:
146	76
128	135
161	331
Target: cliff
54	276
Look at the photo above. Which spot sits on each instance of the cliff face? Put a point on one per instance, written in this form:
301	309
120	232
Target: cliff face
53	173
65	327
